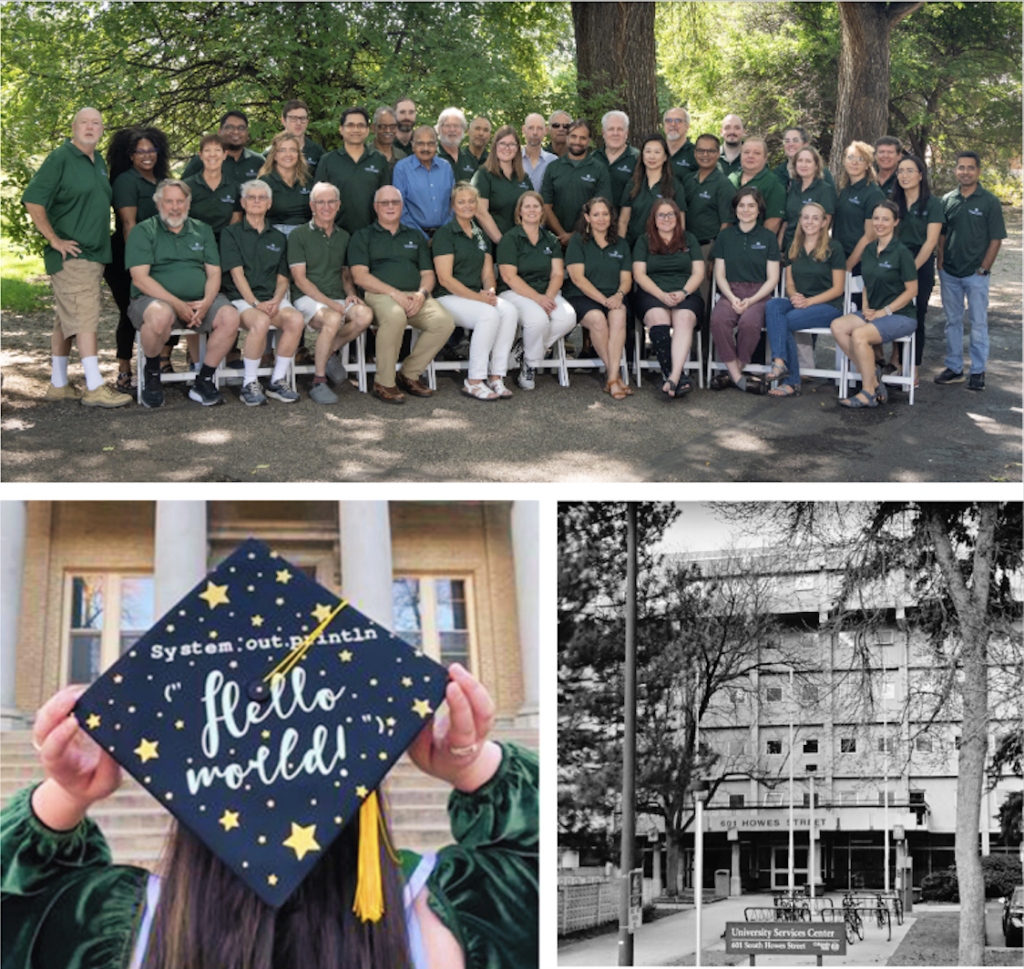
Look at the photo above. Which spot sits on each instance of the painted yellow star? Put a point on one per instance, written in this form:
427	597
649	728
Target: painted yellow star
362	791
147	750
265	734
257	621
382	755
118	679
391	721
423	708
284	576
179	724
321	613
93	722
215	595
214	634
345	656
271	879
229	820
302	840
406	681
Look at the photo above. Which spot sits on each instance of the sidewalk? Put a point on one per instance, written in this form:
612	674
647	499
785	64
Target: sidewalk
671	942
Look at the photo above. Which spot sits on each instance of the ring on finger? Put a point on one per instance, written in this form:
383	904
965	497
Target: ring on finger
467	751
37	747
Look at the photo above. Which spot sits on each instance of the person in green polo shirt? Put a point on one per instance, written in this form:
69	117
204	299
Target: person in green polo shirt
290	180
617	154
808	185
858	194
681	151
451	129
176	276
323	289
384	130
709	195
754	171
733	134
295	120
391	263
68	200
968	246
356	169
500	181
888	152
654	179
571	181
215	198
793	139
254	261
890	284
240	162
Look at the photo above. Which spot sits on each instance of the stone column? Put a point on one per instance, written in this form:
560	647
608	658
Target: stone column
525	529
656	887
13	516
735	884
179	558
365	530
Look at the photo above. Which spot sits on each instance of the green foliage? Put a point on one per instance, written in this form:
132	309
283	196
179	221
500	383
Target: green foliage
1001	873
22	280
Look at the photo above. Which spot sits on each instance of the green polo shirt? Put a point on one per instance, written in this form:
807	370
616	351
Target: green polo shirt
728	167
464	167
76	194
600	266
566	187
746	254
640	207
672	271
245	169
684	161
768	185
889	184
853	207
132	190
263	256
812	278
470	252
357	181
396	156
621	170
782	171
532	262
972	222
213	206
323	256
913	228
502	194
395	259
886	273
176	260
797	198
290	204
708	204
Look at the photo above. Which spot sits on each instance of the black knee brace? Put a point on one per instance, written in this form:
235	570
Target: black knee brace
661	340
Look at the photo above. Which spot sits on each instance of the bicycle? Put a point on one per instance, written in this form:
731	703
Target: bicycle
852	917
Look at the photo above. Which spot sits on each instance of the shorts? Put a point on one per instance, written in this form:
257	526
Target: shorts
892	327
76	292
138	306
309	307
644	301
241	305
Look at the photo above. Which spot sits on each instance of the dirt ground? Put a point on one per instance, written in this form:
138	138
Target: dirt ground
550	434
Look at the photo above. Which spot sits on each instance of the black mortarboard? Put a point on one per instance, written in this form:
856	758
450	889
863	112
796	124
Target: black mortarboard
263	712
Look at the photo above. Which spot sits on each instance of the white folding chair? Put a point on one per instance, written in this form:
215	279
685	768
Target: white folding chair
641	363
565	364
227	376
364	369
751	367
167	378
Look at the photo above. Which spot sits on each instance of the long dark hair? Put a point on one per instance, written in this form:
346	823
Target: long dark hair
208	919
583	226
668	187
124	142
655	243
900	197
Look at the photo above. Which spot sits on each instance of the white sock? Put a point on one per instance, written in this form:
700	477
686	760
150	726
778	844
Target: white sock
251	366
281	365
93	377
59	371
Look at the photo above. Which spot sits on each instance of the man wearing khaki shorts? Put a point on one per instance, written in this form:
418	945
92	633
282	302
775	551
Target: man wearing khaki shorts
68	199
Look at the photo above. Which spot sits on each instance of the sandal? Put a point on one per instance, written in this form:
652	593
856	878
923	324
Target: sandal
881	392
684	386
721	381
498	386
166	366
479	391
672	385
786	390
616	390
778	372
123	384
859	400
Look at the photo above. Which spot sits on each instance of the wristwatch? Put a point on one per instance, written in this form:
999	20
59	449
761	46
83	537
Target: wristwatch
982	272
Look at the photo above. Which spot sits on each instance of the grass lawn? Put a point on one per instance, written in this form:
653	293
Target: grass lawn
23	282
933	940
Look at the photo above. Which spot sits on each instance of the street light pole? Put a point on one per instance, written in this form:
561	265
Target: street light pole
792	768
699	789
811	872
629	742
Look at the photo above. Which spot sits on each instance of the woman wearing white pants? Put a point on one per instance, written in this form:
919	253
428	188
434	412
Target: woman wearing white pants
466	288
531	266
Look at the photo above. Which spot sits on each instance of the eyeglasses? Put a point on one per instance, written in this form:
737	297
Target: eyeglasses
255	198
666	215
326	202
304	118
383	202
506	146
675	121
856	158
387	127
705	151
907	171
424	144
557	124
351	126
234	127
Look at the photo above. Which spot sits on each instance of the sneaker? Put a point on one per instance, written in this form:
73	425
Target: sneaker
949	377
976	381
152	393
322	394
526	377
205	393
281	391
515	355
104	396
252	394
336	372
67	392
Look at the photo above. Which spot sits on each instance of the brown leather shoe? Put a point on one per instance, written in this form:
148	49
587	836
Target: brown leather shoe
414	387
390	395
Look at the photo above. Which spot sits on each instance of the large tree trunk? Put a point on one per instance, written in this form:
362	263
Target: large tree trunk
863	96
615	63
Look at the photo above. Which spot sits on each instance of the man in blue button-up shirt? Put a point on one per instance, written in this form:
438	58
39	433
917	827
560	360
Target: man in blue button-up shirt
426	184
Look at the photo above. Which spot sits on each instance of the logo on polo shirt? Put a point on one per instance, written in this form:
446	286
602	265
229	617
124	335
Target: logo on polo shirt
303	191
615	254
885	265
252	173
807	201
524	184
482	246
411	245
624	168
372	168
587	178
468	168
273	247
547	250
704	195
229	199
853	200
975	211
758	245
196	247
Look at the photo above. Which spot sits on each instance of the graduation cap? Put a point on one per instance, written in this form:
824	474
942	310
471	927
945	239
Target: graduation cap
263	712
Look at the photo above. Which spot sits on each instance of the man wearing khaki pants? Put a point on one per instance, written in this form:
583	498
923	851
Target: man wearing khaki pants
392	264
68	199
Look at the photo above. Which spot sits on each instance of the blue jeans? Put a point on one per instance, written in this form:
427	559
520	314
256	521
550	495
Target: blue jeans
782	320
975	290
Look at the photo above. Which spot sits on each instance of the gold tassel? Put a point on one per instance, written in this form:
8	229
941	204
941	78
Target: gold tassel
369	901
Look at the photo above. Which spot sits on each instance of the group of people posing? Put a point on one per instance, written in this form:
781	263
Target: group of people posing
405	227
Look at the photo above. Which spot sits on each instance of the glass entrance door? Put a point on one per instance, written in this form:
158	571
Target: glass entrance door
780	867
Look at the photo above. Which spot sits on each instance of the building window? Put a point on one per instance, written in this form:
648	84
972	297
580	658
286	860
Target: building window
774	746
924	744
773	694
773	799
433	613
848	798
917	797
810	746
891	796
737	747
886	637
106	614
810	693
735	800
848	745
886	745
807	799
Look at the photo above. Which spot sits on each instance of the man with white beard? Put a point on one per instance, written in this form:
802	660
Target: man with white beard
175	269
451	129
676	122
